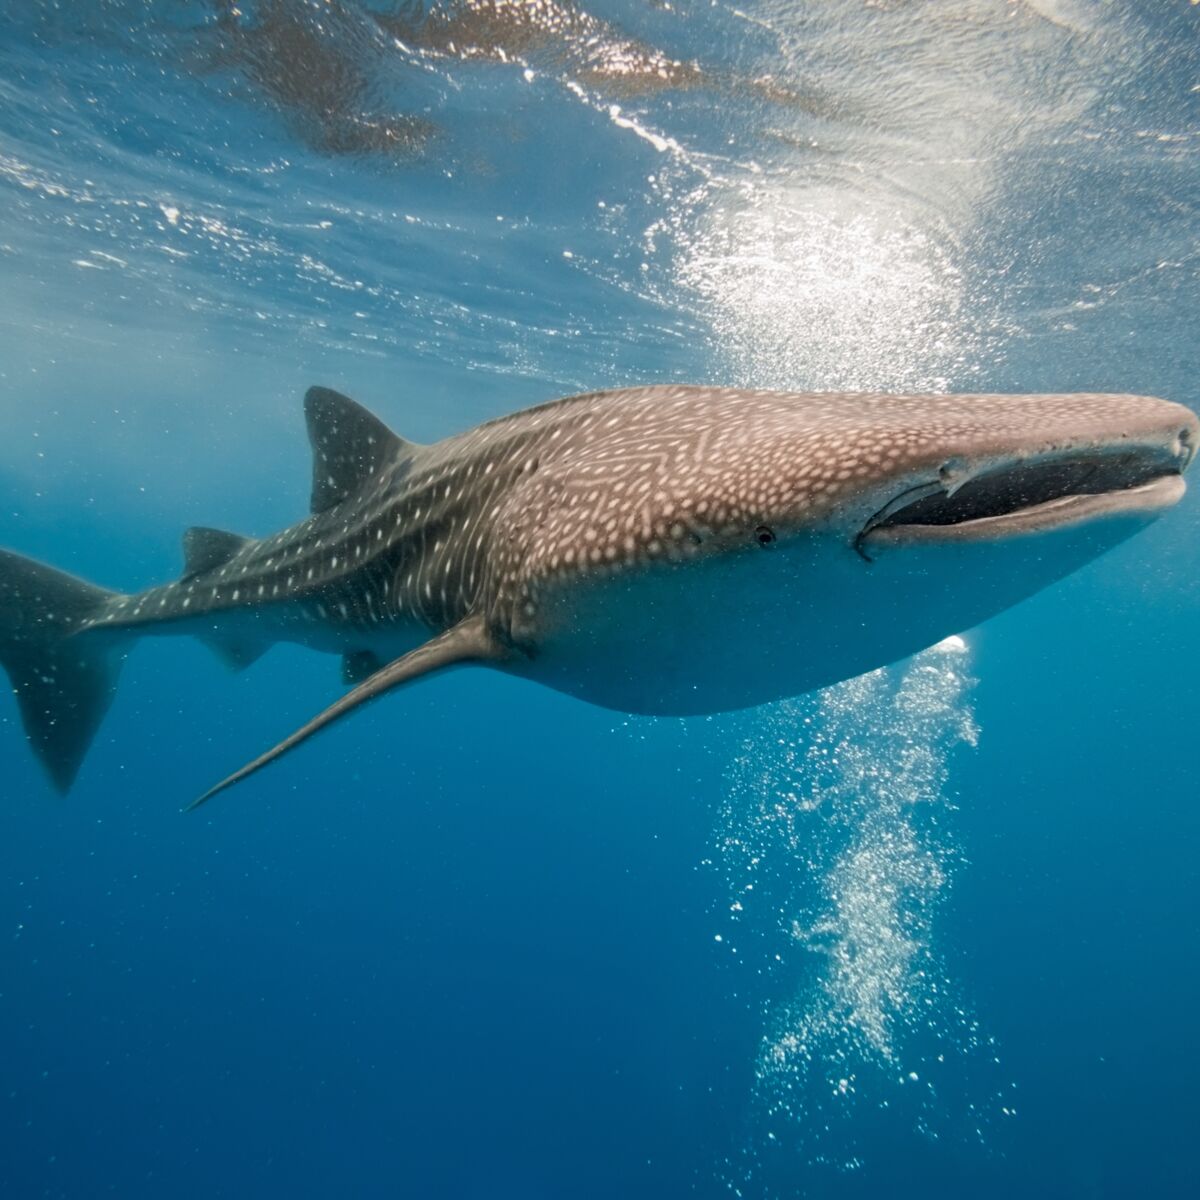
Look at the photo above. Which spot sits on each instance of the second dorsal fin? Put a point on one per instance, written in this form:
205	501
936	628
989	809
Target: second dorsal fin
349	445
206	549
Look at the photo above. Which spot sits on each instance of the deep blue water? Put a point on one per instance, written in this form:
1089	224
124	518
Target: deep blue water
485	941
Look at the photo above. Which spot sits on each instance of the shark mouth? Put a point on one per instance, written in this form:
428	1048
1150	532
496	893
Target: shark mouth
1029	497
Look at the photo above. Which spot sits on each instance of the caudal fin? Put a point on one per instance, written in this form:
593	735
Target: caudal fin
62	675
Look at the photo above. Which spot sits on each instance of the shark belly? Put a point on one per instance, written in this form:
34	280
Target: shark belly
303	624
712	637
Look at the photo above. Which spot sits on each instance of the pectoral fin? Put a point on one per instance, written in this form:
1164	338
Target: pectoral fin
468	641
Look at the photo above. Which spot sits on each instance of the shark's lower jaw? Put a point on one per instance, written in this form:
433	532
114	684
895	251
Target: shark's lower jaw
1028	498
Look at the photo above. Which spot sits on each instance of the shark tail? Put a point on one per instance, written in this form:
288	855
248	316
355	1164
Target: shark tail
63	676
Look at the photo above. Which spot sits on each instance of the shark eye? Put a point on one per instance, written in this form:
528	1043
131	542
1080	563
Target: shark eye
764	536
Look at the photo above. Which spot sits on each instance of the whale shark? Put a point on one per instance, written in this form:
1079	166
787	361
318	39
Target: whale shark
661	550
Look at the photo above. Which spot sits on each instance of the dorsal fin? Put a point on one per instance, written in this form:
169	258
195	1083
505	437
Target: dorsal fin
349	445
206	549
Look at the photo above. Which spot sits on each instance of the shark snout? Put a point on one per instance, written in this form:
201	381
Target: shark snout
1035	491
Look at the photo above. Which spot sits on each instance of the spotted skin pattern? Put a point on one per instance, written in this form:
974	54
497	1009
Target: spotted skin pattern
637	548
486	521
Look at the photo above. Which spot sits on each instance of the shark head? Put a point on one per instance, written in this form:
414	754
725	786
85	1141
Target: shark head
897	472
784	542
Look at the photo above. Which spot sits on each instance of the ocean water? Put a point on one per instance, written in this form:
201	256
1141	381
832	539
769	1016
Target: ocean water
932	932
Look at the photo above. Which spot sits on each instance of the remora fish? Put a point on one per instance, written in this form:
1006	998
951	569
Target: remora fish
656	550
